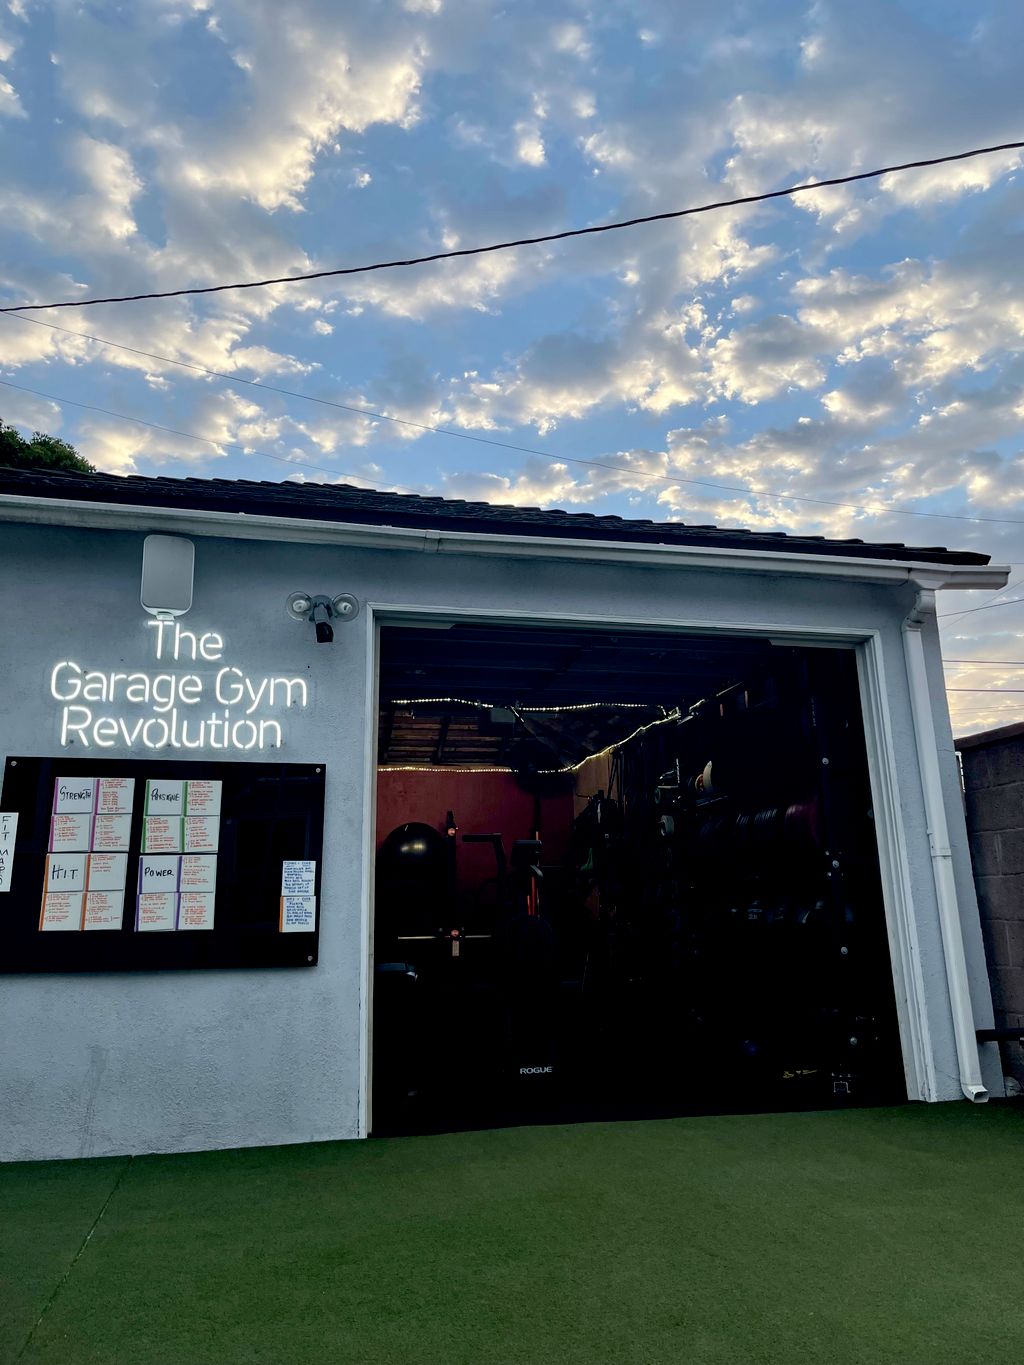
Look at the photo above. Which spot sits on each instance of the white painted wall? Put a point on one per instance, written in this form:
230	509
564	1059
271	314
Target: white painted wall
110	1063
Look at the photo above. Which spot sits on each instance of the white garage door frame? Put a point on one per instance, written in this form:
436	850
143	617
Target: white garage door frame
897	894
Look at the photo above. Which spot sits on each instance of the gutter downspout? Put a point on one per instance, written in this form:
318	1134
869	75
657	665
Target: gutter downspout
968	1060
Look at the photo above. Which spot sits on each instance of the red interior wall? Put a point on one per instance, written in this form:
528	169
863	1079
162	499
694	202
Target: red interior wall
484	803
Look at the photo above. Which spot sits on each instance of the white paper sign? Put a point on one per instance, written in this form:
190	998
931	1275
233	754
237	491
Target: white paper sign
74	795
156	911
165	797
298	878
201	834
8	835
65	872
61	910
116	795
103	910
161	834
70	833
202	798
158	874
107	871
111	833
199	873
298	914
195	911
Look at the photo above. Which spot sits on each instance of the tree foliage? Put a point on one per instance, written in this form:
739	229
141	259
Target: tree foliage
41	452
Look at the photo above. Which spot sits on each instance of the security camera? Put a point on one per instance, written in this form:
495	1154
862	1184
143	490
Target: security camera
303	606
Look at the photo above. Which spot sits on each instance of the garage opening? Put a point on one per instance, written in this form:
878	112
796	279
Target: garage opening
623	874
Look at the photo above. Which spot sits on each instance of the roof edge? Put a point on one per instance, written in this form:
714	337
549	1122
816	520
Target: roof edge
43	511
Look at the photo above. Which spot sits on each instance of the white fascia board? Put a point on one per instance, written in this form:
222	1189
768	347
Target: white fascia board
301	530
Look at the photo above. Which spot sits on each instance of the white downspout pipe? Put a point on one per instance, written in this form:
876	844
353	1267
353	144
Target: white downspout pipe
968	1060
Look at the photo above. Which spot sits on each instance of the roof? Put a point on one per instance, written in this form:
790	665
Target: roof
345	503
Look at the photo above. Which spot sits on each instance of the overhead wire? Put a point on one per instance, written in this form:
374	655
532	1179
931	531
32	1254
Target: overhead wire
526	241
947	615
987	606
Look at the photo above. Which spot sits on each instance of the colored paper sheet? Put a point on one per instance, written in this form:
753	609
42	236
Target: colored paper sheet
65	872
106	872
200	834
158	875
202	798
8	837
70	833
161	834
195	911
156	910
116	796
165	797
103	910
198	873
74	795
61	910
298	878
298	914
111	833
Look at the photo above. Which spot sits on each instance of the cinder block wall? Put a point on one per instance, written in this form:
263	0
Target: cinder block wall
993	767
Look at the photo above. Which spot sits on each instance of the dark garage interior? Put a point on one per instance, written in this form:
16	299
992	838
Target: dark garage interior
623	874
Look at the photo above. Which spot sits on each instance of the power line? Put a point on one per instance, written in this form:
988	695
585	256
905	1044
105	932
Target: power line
988	606
995	663
210	440
668	480
947	615
994	691
526	241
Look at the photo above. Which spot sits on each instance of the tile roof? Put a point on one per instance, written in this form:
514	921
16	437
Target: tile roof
345	503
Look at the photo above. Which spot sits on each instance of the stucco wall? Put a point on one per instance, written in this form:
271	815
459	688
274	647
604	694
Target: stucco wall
106	1063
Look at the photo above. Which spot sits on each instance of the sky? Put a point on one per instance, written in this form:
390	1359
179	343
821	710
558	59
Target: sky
860	345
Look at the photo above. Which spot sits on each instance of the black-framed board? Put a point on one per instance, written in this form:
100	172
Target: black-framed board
135	865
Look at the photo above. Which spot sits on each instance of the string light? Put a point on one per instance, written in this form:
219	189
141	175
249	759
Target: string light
531	710
675	715
435	768
603	753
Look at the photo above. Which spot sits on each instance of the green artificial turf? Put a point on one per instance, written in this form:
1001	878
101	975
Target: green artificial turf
861	1236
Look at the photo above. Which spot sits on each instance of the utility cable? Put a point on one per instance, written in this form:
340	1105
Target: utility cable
668	480
526	241
948	615
211	441
988	606
995	663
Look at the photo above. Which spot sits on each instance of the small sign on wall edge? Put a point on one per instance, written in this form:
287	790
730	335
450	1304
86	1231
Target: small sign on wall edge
8	836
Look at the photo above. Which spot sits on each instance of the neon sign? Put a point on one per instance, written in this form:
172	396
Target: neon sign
238	719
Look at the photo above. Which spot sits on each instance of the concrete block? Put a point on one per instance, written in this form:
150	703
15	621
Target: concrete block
1014	932
996	807
994	764
985	854
997	943
1011	851
1008	989
1001	897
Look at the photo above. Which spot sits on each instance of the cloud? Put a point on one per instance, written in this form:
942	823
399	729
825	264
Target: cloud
113	183
10	104
529	144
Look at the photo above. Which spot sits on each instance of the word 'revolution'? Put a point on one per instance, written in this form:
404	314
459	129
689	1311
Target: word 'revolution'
238	719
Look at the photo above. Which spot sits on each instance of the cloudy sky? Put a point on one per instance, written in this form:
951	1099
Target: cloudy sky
859	346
